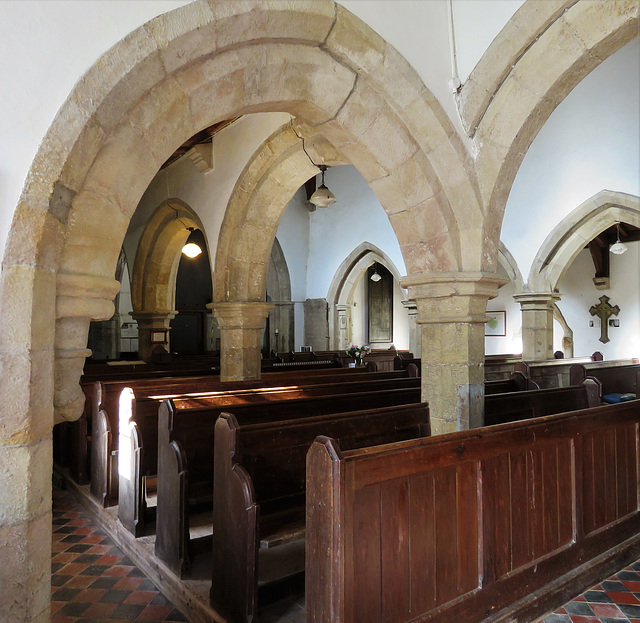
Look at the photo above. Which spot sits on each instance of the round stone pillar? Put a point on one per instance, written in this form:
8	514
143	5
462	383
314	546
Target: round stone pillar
152	328
241	324
451	318
537	324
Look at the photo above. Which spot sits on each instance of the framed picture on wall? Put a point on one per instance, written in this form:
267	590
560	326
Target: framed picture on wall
497	324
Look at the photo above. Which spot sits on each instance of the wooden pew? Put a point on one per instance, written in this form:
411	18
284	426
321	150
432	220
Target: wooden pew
509	407
105	396
517	382
555	372
616	382
141	448
501	523
259	493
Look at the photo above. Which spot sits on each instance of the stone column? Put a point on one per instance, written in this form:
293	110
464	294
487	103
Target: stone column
415	343
537	324
241	324
80	299
343	326
148	323
451	317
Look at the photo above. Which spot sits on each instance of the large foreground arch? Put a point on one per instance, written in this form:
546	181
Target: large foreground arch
179	73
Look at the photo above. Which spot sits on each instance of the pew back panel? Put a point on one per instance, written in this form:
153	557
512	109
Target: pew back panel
259	483
509	407
466	526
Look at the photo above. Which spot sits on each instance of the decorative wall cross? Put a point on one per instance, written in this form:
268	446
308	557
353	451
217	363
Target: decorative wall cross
603	310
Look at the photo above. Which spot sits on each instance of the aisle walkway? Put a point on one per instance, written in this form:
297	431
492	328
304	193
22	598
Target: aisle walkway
94	582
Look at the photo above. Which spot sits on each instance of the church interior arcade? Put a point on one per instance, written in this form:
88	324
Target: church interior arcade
483	175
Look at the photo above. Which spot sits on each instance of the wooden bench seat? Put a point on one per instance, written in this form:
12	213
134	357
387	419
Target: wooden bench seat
509	407
259	492
142	445
105	396
501	523
613	381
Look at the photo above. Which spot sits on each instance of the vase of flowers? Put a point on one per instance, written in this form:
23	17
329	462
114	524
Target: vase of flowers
358	353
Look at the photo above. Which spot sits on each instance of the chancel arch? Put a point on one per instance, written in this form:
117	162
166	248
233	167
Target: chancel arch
340	296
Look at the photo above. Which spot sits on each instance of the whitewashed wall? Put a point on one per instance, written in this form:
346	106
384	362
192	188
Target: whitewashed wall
590	143
579	294
336	231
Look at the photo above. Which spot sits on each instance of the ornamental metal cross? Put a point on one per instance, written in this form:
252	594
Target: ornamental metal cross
603	310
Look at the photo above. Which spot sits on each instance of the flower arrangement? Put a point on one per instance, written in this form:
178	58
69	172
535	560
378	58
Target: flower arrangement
358	352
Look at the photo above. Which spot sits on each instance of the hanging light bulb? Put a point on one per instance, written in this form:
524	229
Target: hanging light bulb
375	277
191	249
618	248
323	197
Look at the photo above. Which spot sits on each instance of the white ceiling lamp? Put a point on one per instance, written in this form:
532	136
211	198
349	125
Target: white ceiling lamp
618	248
323	197
190	249
375	277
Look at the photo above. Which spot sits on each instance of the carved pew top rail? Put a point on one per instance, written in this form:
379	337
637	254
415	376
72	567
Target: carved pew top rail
466	526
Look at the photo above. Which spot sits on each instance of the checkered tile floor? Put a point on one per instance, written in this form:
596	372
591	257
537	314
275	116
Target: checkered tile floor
615	600
92	580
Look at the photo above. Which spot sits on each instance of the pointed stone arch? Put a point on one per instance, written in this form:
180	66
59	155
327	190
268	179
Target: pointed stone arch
541	54
575	231
340	293
181	72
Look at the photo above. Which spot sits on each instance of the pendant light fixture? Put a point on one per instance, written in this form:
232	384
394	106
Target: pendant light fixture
190	249
375	277
323	197
618	248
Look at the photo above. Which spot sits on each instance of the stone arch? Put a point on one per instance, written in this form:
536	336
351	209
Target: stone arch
571	235
155	89
510	266
340	294
164	82
155	270
542	53
153	280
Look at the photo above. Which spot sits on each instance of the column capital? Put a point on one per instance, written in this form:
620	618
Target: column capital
241	314
459	297
537	300
155	317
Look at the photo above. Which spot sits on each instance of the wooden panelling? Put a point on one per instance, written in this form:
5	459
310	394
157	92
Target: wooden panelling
468	525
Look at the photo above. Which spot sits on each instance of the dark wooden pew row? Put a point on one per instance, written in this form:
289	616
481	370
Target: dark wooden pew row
616	383
104	398
523	405
495	524
496	367
517	382
556	372
259	495
140	439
